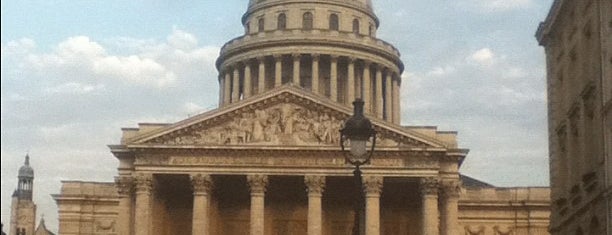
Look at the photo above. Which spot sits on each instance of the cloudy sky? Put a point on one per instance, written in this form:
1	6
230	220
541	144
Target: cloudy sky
75	72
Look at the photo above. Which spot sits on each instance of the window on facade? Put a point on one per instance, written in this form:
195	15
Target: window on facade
281	23
260	25
307	20
371	30
333	22
356	26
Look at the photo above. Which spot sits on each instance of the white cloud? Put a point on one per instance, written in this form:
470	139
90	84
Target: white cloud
497	5
182	40
74	88
483	56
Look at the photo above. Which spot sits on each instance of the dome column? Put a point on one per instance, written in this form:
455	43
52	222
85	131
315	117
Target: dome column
378	95
396	100
236	85
350	88
315	73
227	89
333	81
367	87
278	70
296	69
247	81
261	78
388	96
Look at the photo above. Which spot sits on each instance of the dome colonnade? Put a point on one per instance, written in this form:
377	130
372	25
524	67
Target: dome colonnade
329	49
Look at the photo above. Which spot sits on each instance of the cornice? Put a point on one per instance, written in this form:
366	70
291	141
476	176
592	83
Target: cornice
545	27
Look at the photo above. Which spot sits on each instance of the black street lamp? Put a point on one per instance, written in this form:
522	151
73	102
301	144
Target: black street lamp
356	135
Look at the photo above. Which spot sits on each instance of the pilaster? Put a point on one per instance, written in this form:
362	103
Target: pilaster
125	188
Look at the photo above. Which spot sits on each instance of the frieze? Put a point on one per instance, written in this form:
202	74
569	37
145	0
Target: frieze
280	123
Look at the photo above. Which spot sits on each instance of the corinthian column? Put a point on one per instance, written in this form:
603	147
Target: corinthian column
430	213
388	97
379	95
142	218
296	69
350	90
236	85
202	184
396	101
247	80
278	70
450	207
315	186
333	78
125	187
372	185
227	88
367	87
315	73
261	78
257	184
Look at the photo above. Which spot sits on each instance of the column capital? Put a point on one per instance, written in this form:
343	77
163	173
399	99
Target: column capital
315	56
429	186
277	57
315	184
201	183
257	183
372	185
367	63
125	185
296	56
451	188
351	59
334	58
143	182
261	59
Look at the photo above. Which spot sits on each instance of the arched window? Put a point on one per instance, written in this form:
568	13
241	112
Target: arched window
260	25
356	26
371	30
307	20
333	22
281	23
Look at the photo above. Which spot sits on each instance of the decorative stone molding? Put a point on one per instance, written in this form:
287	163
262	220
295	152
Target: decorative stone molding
451	189
372	185
315	184
201	184
125	185
429	186
143	183
257	183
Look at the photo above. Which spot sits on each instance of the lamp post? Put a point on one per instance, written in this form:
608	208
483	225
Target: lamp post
355	135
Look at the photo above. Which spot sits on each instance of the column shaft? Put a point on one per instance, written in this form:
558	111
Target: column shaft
315	74
430	213
333	79
373	187
350	90
201	204
236	86
296	69
261	79
227	92
379	95
396	101
247	81
315	186
450	208
388	97
367	89
124	211
278	70
257	184
142	218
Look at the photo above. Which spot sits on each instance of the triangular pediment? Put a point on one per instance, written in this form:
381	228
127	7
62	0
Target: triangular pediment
287	116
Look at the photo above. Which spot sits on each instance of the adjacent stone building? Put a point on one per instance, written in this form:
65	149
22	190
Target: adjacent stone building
268	160
577	36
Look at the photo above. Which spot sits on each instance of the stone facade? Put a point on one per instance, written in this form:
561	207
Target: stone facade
23	209
577	37
268	160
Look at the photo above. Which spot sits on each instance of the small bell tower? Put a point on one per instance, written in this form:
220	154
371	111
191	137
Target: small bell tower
23	209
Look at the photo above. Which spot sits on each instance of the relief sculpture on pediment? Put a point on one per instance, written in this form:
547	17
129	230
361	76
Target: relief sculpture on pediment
281	124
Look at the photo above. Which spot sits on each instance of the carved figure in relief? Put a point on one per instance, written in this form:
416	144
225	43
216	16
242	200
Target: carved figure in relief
258	125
